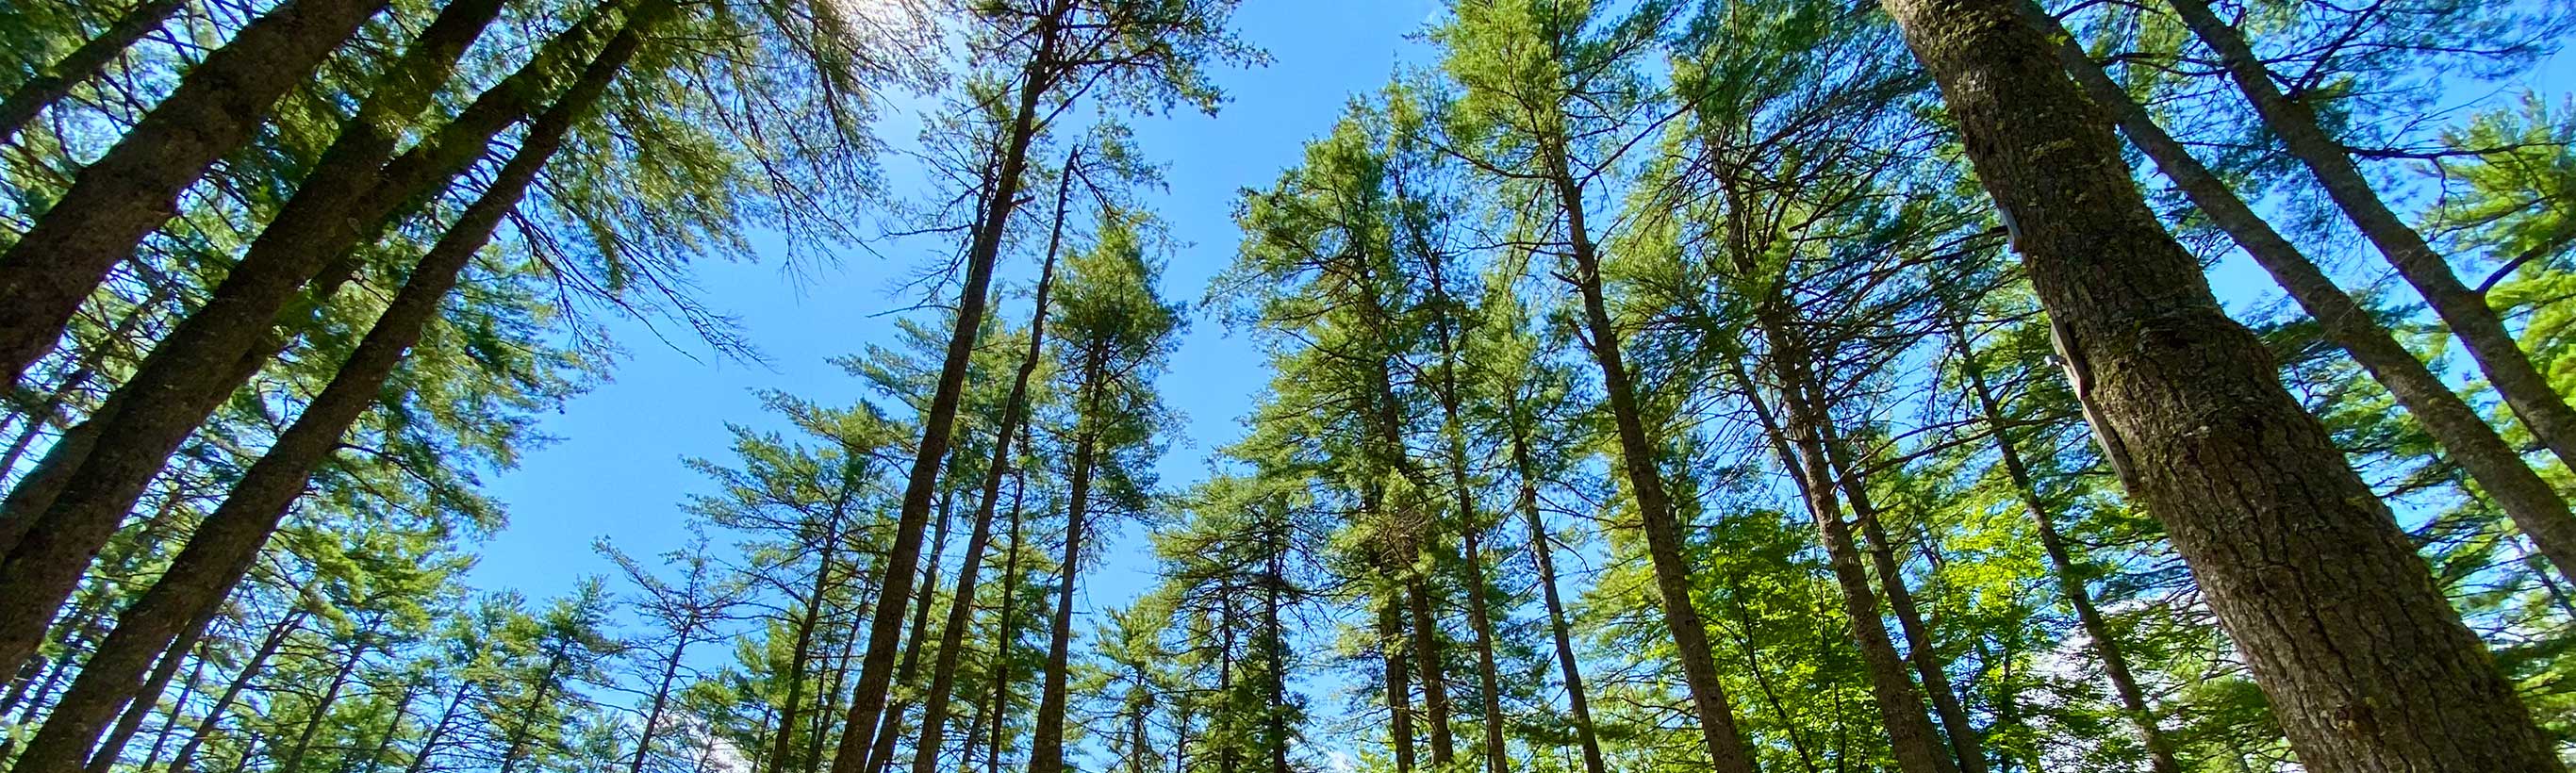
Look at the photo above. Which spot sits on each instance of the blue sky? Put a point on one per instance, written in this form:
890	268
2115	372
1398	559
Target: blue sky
616	470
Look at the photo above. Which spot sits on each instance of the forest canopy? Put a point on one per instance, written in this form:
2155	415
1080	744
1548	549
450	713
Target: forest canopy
1926	386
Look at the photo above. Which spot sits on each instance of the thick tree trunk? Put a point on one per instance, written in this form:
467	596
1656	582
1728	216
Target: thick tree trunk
228	542
876	670
961	606
115	202
51	530
2534	506
1727	749
2499	358
2366	665
2062	565
92	57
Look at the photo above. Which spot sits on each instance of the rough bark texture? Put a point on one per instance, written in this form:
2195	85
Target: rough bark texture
961	606
135	188
1428	656
2502	360
2366	665
1399	682
2062	565
53	522
92	57
229	540
2534	506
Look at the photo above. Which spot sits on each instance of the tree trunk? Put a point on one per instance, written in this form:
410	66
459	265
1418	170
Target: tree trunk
178	713
2499	358
1004	635
91	58
402	710
1046	743
228	542
785	739
961	606
1727	749
1542	552
881	757
114	202
293	762
1399	682
49	532
437	732
1920	647
877	669
2365	663
149	698
187	754
661	699
2534	506
1801	453
1427	656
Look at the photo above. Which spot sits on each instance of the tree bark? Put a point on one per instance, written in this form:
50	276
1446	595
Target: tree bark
437	732
92	57
2366	665
961	606
116	201
1920	647
1427	656
2498	356
1399	682
2529	501
187	754
50	531
1800	450
293	761
229	541
393	728
149	698
1046	741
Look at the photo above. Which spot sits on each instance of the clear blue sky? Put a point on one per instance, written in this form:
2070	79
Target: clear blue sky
616	470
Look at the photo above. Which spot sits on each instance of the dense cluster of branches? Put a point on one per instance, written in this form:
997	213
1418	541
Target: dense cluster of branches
1740	385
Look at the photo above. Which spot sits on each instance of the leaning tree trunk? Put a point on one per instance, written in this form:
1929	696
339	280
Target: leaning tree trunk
132	190
1542	556
1399	682
229	541
1665	543
149	698
2465	310
2365	663
2534	506
56	517
2061	562
1900	707
876	670
1920	647
181	761
92	57
961	606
